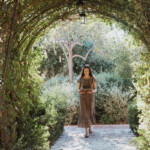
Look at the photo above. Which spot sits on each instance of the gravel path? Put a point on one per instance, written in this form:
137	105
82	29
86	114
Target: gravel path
104	137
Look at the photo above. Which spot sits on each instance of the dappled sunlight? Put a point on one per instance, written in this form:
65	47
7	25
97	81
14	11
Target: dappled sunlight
32	117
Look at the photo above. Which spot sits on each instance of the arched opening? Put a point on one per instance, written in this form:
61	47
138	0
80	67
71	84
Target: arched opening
24	22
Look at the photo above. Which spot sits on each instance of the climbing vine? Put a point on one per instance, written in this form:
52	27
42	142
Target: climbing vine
22	22
143	99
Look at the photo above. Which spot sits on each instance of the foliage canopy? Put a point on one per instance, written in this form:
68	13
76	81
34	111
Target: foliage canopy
24	21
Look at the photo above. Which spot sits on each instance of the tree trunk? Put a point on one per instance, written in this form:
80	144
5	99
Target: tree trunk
70	66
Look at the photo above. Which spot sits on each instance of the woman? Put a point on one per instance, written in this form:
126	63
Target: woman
86	83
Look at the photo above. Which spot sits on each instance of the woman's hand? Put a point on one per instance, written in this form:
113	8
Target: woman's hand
90	92
81	92
93	91
86	91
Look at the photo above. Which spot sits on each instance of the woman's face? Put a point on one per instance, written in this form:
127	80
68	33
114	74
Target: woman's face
86	71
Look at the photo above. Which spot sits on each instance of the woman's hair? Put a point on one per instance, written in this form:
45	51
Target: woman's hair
90	70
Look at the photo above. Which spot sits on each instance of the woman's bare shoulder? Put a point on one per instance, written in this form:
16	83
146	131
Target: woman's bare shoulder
79	79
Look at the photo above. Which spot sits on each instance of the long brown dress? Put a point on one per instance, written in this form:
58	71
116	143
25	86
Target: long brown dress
87	104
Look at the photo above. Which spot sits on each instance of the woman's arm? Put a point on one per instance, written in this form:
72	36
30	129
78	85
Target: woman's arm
94	85
81	92
79	86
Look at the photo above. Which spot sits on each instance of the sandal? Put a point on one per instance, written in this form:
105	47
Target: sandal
90	131
86	136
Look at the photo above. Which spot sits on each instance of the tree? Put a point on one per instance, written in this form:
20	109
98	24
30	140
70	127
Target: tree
67	40
34	17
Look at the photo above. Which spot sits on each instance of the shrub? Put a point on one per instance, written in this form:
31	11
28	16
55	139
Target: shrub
111	101
111	105
21	124
107	79
55	112
69	91
72	106
133	118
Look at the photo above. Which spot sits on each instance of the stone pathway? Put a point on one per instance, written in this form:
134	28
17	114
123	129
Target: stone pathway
104	137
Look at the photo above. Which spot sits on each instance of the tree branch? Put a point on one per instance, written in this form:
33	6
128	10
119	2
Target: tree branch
66	46
84	58
75	43
64	51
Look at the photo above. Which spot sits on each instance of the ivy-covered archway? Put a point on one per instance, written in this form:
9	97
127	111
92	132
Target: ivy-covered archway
23	22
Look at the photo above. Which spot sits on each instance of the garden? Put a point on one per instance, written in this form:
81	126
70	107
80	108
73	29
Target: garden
43	50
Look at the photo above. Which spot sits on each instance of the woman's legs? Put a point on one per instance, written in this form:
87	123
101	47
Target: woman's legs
90	129
86	131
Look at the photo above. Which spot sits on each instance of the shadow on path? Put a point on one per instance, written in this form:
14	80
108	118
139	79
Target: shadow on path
104	137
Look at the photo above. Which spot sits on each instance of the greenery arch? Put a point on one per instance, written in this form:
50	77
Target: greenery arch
23	22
